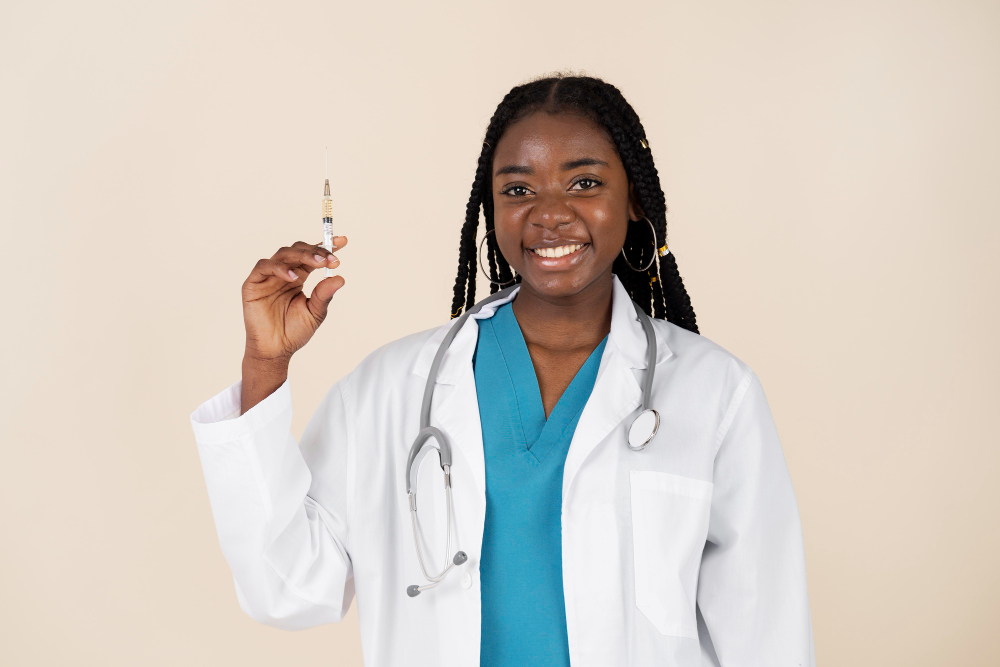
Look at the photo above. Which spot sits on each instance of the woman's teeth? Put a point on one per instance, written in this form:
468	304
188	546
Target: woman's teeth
557	251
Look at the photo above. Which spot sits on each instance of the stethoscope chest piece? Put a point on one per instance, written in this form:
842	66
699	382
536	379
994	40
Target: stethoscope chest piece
643	428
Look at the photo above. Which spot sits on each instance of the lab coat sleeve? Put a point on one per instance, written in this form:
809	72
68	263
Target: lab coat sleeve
281	511
752	585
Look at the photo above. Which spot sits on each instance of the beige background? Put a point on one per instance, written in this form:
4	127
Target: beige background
831	175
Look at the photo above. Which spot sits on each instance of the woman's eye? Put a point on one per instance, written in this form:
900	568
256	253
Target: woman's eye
589	183
515	191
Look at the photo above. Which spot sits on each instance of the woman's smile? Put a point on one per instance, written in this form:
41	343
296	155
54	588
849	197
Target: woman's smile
557	257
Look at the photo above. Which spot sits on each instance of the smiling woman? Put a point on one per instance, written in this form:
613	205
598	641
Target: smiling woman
566	162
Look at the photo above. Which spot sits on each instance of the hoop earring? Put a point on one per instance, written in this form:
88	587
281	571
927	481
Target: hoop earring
479	255
651	259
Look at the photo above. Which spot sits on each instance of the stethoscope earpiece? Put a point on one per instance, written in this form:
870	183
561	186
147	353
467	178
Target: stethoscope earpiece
414	590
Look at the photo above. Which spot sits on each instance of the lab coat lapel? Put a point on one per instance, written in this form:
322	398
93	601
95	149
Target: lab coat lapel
455	410
616	391
458	416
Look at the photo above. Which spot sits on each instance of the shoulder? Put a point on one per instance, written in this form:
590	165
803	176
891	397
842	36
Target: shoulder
392	363
398	355
694	347
703	362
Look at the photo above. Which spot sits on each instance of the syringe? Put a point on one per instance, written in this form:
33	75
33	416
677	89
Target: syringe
327	214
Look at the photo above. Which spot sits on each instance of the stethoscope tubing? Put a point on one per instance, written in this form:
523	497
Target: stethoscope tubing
444	447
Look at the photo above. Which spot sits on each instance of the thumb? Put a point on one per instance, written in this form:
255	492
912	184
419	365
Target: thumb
322	294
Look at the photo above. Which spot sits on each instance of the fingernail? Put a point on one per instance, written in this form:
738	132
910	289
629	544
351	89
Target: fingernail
318	257
334	260
292	275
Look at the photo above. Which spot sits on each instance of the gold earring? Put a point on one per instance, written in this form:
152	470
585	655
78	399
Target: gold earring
651	259
480	256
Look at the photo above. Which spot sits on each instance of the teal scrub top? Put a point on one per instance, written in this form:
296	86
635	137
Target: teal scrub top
523	610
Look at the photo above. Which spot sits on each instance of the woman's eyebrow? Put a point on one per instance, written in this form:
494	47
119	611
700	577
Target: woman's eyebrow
582	162
565	166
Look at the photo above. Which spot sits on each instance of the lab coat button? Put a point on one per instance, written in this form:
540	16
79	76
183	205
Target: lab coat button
466	580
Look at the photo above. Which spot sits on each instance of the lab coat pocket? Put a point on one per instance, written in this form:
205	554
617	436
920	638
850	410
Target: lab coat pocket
669	525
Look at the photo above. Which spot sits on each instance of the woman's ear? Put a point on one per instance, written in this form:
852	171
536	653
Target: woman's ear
634	210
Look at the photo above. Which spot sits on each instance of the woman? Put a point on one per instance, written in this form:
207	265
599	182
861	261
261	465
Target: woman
568	542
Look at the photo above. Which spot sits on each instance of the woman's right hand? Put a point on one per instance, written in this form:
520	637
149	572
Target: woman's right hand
279	319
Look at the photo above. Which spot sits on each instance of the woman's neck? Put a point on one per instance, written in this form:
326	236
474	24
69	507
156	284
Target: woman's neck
565	324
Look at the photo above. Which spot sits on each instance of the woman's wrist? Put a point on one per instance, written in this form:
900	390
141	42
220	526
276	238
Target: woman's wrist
261	377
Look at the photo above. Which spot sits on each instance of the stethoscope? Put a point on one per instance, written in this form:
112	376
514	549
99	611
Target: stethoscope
641	431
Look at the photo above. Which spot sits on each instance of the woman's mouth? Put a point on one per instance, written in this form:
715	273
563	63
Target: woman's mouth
557	257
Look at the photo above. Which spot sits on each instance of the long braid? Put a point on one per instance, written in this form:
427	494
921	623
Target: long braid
659	290
468	260
670	298
674	305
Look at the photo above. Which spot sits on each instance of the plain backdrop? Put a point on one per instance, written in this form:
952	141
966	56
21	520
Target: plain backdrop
831	176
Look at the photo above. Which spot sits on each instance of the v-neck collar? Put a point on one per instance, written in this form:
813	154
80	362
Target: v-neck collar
539	434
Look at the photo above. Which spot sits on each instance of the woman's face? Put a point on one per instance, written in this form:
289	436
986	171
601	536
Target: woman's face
559	187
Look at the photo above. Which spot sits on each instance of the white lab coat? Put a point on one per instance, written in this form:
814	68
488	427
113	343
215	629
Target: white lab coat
687	553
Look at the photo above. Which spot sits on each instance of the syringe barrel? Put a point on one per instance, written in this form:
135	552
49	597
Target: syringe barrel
328	233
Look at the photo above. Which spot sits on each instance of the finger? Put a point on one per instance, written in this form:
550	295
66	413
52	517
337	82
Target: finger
338	242
306	257
314	249
267	268
285	252
322	294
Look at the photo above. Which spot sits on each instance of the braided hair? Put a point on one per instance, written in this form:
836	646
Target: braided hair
658	290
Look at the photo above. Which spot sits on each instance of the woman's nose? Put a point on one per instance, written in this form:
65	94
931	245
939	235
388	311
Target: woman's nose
551	211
